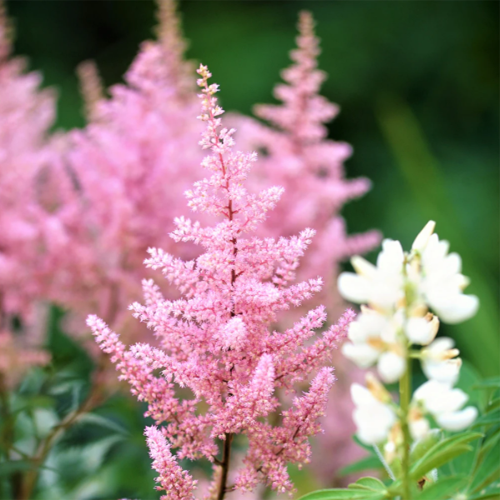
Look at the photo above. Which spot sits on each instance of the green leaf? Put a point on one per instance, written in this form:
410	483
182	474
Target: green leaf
94	418
366	447
343	494
442	452
488	471
12	466
367	463
370	484
425	444
492	417
443	489
489	383
493	405
491	492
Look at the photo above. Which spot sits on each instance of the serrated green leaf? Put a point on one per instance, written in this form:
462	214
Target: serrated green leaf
368	463
343	494
443	489
487	471
442	452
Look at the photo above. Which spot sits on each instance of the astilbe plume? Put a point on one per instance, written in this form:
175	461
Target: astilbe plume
215	341
300	157
28	234
124	172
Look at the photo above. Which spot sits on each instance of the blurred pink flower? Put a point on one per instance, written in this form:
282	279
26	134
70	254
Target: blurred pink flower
297	155
124	176
28	233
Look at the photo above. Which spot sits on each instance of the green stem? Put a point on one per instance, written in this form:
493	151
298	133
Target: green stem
404	401
91	401
7	434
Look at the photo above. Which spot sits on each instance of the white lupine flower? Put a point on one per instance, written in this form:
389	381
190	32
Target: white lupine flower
444	404
399	291
374	337
373	418
391	366
379	285
458	420
438	397
369	325
362	354
439	361
442	283
422	331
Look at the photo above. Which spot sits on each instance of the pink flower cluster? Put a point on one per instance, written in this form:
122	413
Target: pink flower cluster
215	375
299	157
124	176
29	235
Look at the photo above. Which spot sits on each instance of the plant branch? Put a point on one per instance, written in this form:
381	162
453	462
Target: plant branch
404	394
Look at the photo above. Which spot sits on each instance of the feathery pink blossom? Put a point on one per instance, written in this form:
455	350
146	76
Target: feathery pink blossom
299	157
27	232
218	366
125	173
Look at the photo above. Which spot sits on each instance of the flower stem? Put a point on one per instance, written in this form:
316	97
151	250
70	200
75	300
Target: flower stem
404	401
226	458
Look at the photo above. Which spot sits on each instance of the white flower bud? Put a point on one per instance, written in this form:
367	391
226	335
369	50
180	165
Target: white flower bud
363	267
423	237
422	331
419	428
438	363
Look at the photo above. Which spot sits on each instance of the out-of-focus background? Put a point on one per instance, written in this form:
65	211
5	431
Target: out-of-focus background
417	83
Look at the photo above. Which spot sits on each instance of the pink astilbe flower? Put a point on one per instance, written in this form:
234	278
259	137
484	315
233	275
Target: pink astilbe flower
27	231
129	166
177	482
220	363
299	157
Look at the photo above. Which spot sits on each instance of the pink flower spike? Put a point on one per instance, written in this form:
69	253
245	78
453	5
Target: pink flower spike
178	484
218	365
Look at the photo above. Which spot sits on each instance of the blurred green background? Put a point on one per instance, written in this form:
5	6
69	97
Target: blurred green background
417	82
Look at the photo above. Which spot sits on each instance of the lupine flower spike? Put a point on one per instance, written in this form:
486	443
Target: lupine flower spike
400	292
215	341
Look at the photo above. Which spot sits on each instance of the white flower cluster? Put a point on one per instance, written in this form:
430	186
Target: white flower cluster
398	294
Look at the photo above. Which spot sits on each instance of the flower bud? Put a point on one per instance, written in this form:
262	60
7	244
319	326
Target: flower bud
423	237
